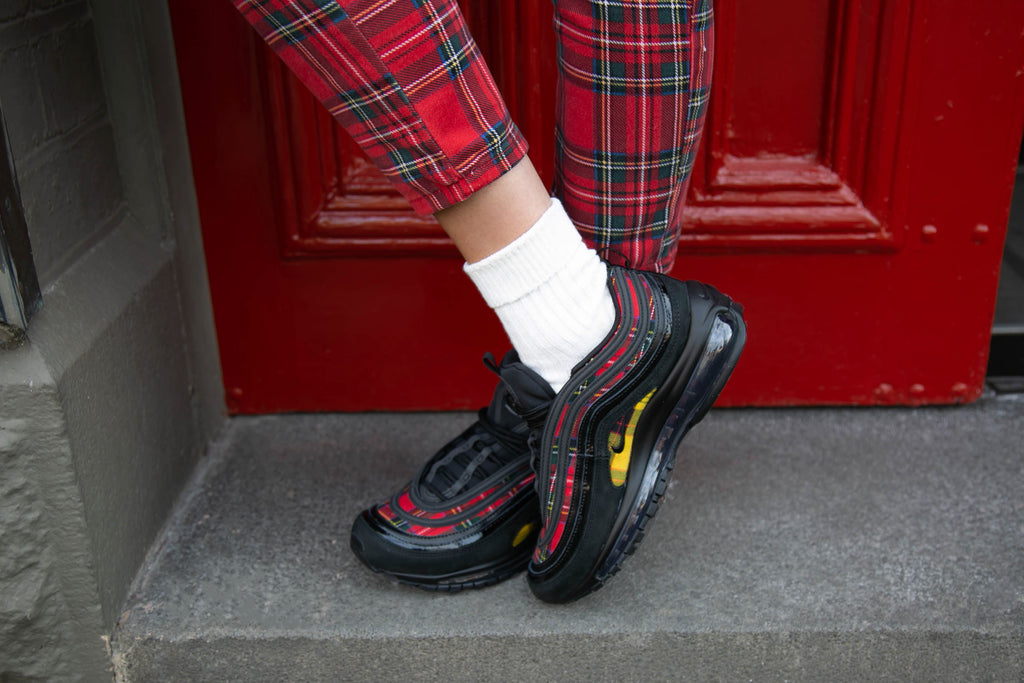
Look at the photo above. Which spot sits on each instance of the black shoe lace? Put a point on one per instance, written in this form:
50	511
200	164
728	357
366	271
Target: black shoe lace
478	453
486	447
607	250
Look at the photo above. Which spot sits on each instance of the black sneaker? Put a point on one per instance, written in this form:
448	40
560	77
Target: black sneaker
470	517
609	441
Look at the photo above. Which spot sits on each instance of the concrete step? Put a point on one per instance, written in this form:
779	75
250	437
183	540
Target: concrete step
804	544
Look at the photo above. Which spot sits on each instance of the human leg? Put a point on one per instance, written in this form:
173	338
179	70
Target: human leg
633	84
463	520
634	79
406	81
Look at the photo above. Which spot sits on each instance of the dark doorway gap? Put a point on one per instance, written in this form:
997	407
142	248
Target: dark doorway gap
1006	357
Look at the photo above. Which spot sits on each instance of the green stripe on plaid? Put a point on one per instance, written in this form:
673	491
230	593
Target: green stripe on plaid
698	104
703	15
455	55
292	31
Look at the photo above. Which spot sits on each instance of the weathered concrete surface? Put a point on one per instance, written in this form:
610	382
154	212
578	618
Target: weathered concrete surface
50	622
883	544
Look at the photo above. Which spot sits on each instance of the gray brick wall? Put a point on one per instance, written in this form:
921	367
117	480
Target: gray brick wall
51	91
52	95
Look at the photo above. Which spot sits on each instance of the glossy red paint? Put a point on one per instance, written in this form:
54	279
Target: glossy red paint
853	192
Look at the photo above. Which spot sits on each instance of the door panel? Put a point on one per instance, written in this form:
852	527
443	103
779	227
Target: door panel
852	191
804	149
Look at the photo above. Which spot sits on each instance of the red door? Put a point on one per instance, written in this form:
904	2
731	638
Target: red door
852	191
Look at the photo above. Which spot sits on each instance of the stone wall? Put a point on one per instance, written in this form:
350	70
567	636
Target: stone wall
47	577
107	407
52	96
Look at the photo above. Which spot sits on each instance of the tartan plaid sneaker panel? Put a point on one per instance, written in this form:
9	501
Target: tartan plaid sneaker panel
633	83
406	80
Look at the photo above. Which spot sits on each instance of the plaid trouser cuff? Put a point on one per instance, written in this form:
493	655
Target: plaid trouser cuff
407	82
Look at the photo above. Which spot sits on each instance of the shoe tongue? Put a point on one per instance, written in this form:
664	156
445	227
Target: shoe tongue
521	391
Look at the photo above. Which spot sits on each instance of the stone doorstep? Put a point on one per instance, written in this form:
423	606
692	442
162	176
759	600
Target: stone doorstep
837	544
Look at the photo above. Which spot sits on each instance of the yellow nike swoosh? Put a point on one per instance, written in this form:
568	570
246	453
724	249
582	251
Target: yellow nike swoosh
523	534
619	461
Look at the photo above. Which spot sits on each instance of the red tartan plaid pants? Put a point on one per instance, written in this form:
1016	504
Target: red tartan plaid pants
406	80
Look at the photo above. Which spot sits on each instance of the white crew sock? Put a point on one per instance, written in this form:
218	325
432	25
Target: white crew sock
551	294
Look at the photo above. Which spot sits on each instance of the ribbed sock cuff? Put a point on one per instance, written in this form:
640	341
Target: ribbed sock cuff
550	292
533	258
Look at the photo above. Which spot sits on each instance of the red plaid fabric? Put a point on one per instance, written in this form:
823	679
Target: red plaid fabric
407	81
634	78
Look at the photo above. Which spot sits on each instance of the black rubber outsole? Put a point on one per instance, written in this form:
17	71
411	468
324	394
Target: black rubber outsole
478	577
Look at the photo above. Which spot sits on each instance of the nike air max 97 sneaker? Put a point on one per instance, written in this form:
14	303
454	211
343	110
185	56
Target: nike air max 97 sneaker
470	516
609	442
